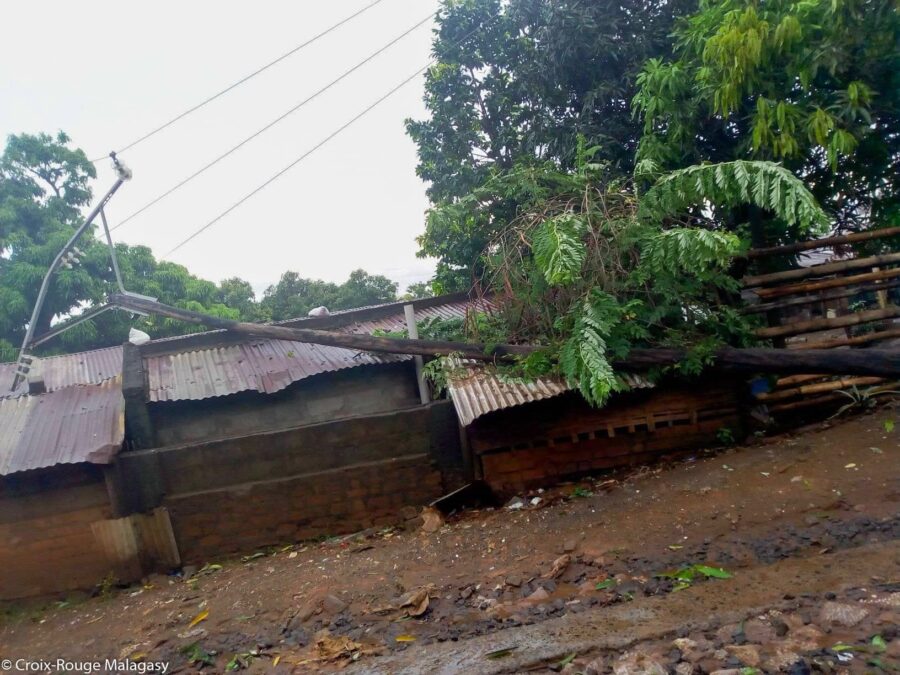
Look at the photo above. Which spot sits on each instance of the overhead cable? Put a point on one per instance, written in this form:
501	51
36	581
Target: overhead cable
244	79
275	121
306	154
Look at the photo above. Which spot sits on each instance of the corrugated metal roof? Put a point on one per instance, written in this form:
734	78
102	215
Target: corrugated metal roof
91	367
477	389
397	322
266	366
84	423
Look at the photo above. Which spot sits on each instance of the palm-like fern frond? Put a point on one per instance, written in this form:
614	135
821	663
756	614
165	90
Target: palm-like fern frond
558	248
767	185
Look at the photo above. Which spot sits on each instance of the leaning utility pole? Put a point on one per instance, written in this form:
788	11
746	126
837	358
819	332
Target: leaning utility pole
122	174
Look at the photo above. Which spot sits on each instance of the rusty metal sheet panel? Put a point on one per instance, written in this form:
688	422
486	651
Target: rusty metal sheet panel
266	366
84	423
91	367
397	322
477	390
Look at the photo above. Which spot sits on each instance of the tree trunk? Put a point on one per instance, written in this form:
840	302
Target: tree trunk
880	362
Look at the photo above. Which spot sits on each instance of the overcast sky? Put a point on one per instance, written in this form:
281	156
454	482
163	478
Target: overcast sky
107	72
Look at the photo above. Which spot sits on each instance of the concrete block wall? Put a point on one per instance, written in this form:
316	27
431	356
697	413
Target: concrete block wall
246	517
336	477
330	396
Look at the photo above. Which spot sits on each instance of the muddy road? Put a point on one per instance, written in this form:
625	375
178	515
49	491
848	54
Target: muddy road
768	547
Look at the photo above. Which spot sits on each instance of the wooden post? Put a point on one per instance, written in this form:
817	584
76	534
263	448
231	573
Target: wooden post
839	282
799	327
826	269
799	246
413	332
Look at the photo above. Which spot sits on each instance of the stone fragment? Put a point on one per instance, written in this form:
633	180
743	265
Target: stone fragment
746	654
638	664
332	604
842	614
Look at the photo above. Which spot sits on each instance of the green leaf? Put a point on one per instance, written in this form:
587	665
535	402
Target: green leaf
558	249
567	660
501	653
879	643
606	584
715	572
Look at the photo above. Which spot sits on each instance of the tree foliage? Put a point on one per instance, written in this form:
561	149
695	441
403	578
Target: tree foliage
515	85
293	296
814	84
596	270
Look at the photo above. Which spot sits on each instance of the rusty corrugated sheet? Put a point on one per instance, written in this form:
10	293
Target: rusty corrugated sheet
83	423
91	367
266	366
397	322
476	390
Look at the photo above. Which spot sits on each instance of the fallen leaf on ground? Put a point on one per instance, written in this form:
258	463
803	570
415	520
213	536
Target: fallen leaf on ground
559	566
433	520
416	602
200	617
405	638
330	648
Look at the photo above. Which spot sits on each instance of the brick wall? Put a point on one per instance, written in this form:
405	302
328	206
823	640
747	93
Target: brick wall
548	441
243	518
46	542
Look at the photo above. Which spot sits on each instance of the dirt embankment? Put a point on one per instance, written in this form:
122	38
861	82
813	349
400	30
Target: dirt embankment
579	551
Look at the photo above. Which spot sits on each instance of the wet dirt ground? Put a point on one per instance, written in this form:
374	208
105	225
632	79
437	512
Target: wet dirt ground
581	550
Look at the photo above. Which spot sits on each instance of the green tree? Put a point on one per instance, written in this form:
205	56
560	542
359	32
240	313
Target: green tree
515	85
43	187
814	84
294	296
418	290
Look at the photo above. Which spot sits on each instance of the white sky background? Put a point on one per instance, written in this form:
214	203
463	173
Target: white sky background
107	72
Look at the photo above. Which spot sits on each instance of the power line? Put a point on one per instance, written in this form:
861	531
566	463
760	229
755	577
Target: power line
300	158
245	79
275	121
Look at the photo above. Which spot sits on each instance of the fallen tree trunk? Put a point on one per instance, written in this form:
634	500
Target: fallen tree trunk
882	362
876	362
